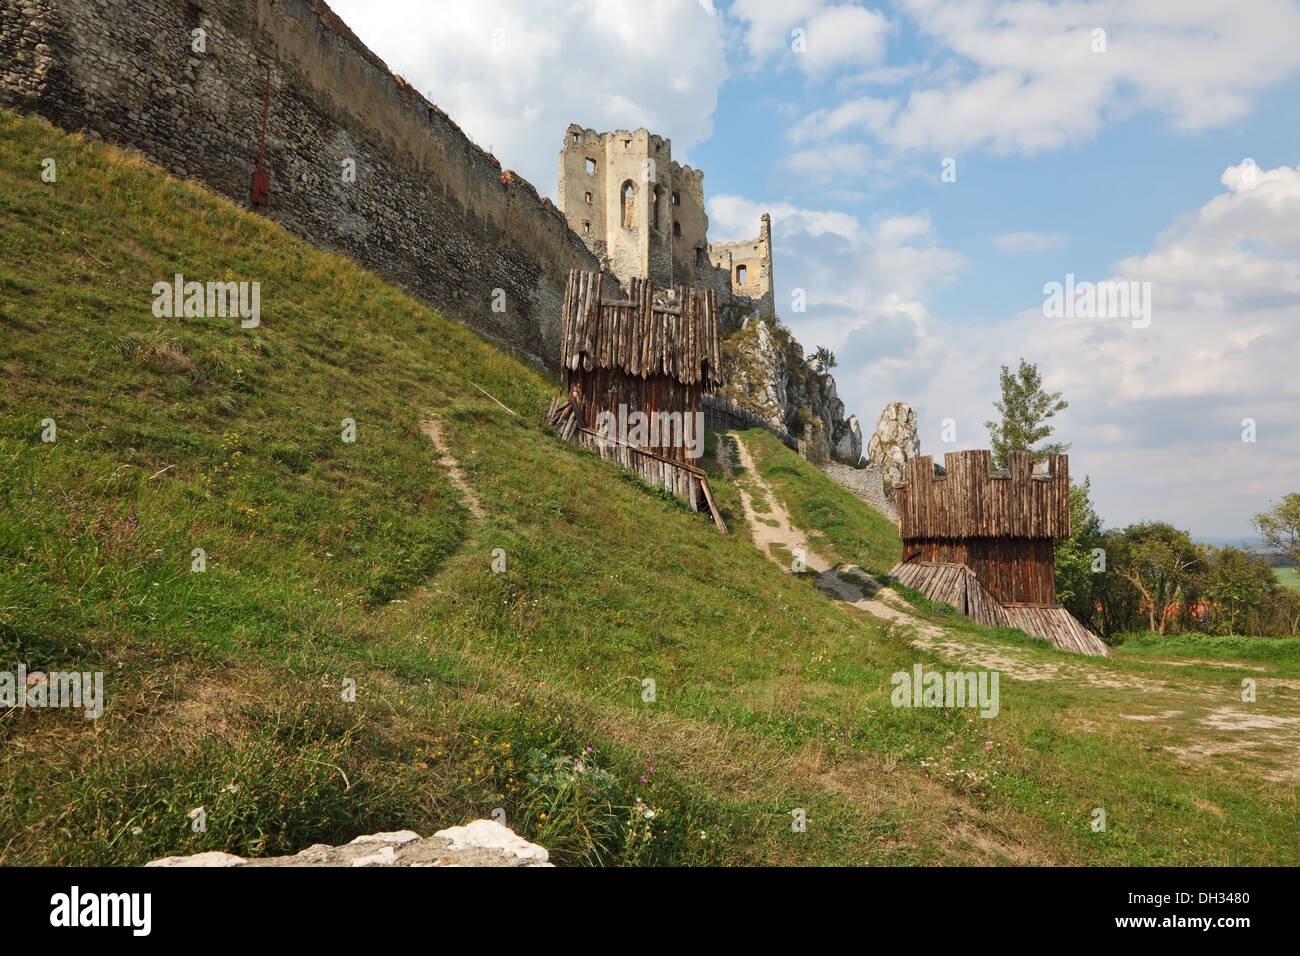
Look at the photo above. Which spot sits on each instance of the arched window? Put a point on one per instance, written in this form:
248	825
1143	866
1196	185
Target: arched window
677	229
654	207
740	275
627	196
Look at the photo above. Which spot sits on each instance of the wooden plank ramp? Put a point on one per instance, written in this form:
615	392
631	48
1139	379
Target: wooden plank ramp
957	585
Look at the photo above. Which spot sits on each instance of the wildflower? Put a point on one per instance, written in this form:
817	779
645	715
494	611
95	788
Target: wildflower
542	817
136	831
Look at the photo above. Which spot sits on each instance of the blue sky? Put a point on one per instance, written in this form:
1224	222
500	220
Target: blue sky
1123	157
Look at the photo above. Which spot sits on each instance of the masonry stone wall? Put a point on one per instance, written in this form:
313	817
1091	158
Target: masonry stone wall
866	483
690	224
429	210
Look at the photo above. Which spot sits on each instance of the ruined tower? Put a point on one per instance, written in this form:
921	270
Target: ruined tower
748	264
631	204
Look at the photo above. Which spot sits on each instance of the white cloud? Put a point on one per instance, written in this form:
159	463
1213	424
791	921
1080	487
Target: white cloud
732	218
833	35
1021	76
864	114
514	73
827	163
1037	83
1029	241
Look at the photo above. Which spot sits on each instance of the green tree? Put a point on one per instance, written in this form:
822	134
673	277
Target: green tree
1240	587
824	359
1163	564
1118	602
1076	577
1280	526
1026	410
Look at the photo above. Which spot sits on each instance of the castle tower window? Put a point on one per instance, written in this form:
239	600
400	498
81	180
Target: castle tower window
587	198
677	228
627	196
627	144
740	275
677	198
586	228
699	256
575	137
654	207
591	166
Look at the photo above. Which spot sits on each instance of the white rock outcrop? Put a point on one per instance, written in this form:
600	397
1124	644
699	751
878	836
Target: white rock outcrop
893	444
849	447
480	843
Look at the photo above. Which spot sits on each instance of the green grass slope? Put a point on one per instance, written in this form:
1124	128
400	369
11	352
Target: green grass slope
329	562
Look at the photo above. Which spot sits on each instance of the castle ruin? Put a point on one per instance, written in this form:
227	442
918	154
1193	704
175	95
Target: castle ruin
643	214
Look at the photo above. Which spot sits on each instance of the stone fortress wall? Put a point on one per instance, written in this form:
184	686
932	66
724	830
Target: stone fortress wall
428	210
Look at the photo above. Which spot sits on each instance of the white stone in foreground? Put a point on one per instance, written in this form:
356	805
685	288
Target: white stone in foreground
480	843
490	835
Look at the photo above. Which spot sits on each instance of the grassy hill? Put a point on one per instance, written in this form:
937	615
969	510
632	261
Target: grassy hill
329	561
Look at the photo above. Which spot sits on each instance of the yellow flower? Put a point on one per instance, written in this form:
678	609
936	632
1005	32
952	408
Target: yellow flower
542	817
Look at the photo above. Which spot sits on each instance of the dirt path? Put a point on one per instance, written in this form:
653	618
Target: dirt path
432	428
848	583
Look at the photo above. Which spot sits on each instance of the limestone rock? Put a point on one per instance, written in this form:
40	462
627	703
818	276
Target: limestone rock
480	843
848	447
212	858
765	373
894	443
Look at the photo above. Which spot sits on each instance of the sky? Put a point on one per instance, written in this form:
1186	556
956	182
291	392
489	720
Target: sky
931	168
